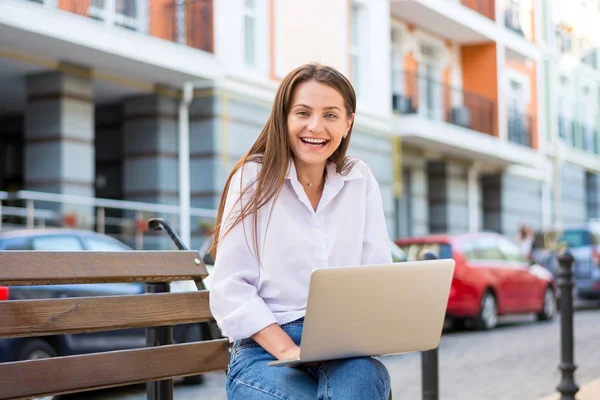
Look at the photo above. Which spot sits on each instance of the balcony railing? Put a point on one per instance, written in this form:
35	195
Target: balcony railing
520	128
439	101
487	8
189	22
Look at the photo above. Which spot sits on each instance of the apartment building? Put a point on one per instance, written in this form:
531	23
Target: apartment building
456	101
570	43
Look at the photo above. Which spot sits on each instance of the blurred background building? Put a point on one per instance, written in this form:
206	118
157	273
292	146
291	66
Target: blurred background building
473	114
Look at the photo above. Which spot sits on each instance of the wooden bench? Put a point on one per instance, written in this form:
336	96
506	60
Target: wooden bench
49	317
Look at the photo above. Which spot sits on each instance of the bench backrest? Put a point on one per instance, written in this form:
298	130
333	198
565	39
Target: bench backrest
69	374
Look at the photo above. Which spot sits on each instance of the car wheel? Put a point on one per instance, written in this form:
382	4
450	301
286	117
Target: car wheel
549	307
35	349
488	312
194	333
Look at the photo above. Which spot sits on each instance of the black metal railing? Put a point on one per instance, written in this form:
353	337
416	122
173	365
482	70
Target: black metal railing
189	22
440	101
520	128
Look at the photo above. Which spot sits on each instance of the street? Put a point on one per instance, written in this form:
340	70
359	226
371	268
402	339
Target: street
518	360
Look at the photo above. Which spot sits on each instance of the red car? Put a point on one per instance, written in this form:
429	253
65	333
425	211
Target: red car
491	278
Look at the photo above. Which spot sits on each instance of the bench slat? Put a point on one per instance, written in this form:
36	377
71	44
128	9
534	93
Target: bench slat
23	268
72	374
23	318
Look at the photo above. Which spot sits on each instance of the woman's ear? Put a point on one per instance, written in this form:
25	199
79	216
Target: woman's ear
349	124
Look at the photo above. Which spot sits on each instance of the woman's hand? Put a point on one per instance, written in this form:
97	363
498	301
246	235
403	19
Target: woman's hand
278	343
292	352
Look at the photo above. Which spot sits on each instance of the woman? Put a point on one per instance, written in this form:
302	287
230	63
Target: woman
292	204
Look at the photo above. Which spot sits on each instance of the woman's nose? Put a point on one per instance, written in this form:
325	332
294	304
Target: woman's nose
315	124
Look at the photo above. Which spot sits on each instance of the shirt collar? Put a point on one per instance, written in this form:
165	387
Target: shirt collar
333	177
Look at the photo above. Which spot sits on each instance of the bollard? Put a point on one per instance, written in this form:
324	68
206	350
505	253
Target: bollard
159	336
429	362
567	387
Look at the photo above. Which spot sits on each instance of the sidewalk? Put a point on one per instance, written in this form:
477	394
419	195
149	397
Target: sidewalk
587	391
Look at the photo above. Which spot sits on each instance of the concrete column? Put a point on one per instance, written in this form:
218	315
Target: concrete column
150	150
59	134
509	201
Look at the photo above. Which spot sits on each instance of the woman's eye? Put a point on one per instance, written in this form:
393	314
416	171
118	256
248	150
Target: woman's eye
331	116
303	113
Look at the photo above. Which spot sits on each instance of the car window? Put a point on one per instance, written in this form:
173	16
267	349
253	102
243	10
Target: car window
415	251
16	243
103	244
510	251
486	248
467	248
57	243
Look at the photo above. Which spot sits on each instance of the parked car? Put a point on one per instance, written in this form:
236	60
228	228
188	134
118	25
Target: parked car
490	279
583	242
17	349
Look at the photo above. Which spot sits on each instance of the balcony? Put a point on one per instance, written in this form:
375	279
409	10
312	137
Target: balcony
487	8
520	128
453	20
579	47
141	42
437	101
188	22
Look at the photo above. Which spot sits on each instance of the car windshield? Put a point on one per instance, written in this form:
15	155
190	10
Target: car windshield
568	237
575	238
414	251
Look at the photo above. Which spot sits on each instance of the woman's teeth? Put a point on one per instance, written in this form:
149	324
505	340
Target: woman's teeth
314	142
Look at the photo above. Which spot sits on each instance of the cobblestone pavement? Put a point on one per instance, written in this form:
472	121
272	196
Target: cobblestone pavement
518	360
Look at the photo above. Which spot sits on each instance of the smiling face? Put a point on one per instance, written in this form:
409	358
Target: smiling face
317	123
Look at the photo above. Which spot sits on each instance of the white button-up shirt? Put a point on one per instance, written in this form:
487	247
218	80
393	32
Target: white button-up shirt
347	229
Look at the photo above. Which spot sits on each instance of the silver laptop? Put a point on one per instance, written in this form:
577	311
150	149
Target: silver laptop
374	310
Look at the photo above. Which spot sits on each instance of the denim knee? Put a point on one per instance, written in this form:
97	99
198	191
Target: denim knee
354	378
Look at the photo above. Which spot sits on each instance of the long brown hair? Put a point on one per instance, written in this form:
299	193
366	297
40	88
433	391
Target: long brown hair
272	148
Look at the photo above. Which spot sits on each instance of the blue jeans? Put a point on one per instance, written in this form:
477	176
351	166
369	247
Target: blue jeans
250	378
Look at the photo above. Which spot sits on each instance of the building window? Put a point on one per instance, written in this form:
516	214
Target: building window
250	31
358	55
430	86
400	100
125	13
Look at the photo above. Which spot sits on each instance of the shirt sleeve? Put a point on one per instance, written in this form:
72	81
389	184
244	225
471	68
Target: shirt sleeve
234	299
376	247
